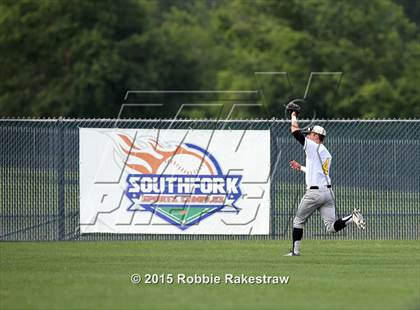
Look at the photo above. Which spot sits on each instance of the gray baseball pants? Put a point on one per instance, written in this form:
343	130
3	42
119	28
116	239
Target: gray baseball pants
316	199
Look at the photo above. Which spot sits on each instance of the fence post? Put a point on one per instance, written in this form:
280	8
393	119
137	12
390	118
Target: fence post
61	180
273	153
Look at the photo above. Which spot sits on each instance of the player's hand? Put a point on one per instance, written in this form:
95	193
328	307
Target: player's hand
293	107
294	165
294	113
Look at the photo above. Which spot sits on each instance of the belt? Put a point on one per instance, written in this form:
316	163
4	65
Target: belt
317	187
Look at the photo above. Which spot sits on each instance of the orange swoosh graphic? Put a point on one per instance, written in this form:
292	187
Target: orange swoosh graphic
154	161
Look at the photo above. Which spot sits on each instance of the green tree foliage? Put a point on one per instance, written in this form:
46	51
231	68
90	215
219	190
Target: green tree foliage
71	57
411	9
371	43
78	58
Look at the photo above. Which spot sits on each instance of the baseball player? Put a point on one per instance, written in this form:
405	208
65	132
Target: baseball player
319	194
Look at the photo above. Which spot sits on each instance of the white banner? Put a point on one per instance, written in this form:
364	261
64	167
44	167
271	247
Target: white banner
175	181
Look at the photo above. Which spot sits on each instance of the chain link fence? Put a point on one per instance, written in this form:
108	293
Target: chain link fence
375	168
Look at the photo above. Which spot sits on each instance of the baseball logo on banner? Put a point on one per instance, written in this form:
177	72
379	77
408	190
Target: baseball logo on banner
174	181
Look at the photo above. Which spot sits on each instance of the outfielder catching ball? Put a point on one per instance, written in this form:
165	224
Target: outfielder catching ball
319	194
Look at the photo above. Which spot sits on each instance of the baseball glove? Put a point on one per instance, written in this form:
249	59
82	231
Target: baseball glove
293	106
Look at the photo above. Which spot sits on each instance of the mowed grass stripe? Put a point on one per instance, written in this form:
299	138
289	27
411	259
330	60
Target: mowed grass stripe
330	275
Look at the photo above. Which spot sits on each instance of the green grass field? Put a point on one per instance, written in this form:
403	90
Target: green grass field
329	275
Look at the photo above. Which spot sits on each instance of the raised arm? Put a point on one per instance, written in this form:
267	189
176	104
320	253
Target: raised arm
295	130
294	126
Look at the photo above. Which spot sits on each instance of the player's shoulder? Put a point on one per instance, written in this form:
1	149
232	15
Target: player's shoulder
323	149
312	147
319	146
310	143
